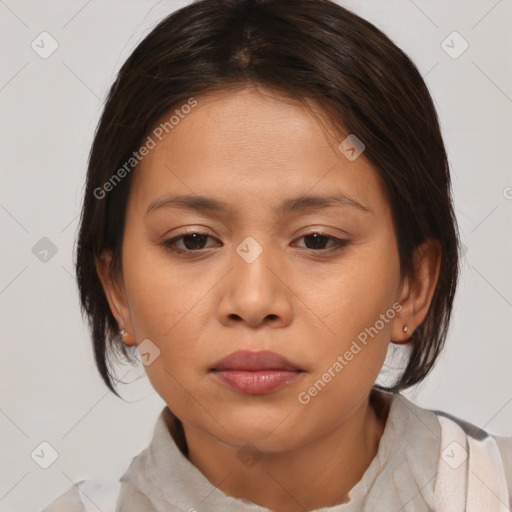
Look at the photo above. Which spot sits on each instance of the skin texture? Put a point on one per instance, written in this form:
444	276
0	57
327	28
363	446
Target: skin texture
253	149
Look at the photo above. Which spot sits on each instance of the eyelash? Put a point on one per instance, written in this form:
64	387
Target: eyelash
170	244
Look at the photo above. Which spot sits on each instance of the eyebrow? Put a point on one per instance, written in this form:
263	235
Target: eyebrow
291	205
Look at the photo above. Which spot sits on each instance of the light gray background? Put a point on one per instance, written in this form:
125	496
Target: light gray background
51	390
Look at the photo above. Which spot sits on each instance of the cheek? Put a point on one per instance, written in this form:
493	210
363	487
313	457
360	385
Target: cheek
349	362
159	294
164	309
359	313
363	287
164	306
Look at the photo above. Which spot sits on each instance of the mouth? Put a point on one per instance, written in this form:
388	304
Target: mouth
255	373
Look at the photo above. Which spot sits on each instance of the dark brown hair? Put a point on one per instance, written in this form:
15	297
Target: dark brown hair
304	49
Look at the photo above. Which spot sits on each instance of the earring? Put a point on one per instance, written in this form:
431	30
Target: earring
124	335
405	328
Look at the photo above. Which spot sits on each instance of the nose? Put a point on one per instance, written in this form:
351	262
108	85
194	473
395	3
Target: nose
255	291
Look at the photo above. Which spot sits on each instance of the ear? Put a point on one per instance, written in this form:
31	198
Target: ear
416	292
114	289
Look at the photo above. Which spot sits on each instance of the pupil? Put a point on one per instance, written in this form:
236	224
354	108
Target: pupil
316	240
197	238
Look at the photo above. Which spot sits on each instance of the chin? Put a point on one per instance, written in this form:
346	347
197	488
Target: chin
264	428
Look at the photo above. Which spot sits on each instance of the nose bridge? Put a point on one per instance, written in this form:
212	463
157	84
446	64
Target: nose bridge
251	263
254	291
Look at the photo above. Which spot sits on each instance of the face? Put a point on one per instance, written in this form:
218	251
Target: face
306	282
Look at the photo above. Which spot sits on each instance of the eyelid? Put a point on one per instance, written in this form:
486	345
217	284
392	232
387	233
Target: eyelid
322	230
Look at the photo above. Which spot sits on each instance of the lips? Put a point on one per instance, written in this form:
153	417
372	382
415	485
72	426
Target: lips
255	373
245	360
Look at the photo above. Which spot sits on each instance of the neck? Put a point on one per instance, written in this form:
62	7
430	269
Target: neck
291	481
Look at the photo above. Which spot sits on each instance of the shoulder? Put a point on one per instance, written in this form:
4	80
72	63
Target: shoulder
453	428
479	436
479	460
466	460
87	495
433	421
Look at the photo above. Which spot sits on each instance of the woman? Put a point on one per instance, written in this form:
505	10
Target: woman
267	208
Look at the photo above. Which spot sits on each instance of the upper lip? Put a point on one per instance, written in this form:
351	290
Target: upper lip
247	360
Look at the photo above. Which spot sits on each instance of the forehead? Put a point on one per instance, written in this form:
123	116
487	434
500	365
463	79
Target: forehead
251	148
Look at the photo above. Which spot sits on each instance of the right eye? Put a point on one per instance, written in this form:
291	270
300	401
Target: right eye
193	242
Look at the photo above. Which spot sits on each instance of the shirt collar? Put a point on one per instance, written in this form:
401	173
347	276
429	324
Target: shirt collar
163	472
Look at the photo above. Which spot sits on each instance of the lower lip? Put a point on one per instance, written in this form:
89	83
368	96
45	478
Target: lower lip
256	382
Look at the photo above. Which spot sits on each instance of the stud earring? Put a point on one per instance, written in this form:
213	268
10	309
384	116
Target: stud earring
124	335
405	328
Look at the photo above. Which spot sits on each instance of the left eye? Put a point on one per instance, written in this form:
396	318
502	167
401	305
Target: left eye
194	242
317	239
